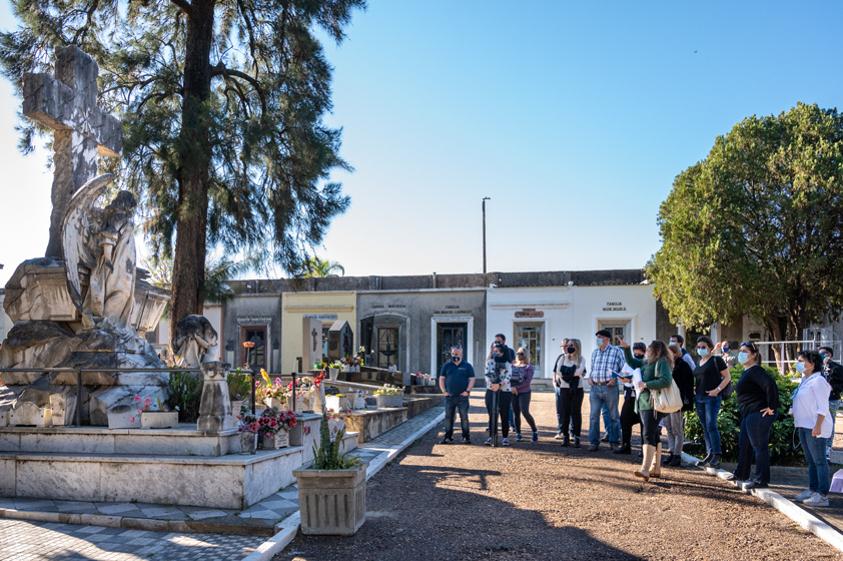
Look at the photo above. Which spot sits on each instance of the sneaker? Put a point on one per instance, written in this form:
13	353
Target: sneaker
447	440
806	494
518	437
504	442
594	448
729	477
748	486
605	438
488	441
816	500
535	436
715	461
622	450
705	461
559	436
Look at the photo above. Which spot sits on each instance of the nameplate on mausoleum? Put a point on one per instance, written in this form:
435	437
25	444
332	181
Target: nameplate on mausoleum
614	307
529	313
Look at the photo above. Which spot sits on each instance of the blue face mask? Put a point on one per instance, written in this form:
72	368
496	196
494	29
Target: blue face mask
725	348
703	352
800	367
599	341
743	356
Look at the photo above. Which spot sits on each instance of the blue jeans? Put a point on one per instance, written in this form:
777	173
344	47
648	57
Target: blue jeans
707	410
754	439
833	406
601	397
453	404
814	449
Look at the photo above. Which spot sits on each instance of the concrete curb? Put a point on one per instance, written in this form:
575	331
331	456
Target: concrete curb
803	518
289	527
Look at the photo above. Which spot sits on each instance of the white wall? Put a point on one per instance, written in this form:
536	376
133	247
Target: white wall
573	312
593	304
554	305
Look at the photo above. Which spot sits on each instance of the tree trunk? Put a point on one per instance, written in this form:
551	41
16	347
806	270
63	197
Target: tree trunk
195	162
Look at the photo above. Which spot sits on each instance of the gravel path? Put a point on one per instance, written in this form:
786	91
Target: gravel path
540	501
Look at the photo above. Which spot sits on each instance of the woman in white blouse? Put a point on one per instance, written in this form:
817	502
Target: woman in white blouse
813	422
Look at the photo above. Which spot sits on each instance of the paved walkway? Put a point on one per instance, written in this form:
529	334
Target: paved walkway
23	540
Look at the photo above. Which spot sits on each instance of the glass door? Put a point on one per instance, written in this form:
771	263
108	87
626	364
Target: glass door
530	336
447	335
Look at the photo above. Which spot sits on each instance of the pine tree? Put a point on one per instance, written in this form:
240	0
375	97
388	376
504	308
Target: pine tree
222	103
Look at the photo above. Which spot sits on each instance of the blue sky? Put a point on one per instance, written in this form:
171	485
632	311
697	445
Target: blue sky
573	117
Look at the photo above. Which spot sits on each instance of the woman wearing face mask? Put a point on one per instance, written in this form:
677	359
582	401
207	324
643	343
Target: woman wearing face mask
567	375
521	394
758	400
629	416
711	377
498	374
813	423
675	422
656	374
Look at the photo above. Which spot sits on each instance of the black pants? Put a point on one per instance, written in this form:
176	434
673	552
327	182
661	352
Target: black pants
453	404
650	426
569	410
521	406
629	418
504	405
754	441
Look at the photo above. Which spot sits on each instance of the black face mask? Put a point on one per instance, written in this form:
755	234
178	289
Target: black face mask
571	350
639	356
455	358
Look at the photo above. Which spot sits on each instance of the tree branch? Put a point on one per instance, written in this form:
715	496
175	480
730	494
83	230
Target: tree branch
221	70
183	5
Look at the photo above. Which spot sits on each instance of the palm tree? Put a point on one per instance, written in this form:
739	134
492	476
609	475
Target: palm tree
316	268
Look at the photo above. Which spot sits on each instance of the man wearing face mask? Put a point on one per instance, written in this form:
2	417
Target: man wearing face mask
456	380
606	363
833	372
629	417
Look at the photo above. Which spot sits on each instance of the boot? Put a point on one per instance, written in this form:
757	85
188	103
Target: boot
566	440
649	454
656	467
668	460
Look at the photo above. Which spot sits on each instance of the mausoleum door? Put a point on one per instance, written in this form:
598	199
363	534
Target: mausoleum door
387	347
447	335
256	355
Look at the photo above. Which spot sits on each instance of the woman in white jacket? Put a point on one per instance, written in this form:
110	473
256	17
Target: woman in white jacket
813	422
498	388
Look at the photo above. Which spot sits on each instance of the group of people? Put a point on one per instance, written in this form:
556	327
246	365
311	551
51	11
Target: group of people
641	371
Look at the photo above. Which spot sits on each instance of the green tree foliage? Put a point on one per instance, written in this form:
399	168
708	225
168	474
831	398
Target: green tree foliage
222	103
729	422
316	268
756	228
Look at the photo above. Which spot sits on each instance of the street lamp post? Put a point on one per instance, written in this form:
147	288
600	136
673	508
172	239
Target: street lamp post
484	231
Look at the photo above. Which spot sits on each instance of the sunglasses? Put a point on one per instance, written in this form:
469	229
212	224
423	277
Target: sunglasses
749	345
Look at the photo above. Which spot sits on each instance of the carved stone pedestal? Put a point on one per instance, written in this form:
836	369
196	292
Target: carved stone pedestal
215	406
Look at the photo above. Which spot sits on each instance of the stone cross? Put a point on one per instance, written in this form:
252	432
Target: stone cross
67	103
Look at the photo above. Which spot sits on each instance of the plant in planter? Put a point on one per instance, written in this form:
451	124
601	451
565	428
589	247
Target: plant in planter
153	415
334	369
239	388
332	493
274	428
389	396
273	393
248	427
185	395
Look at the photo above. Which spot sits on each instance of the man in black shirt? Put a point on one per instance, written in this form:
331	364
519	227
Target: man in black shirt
833	372
456	380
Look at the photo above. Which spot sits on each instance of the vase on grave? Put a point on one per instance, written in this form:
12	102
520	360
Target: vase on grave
333	374
275	441
273	403
248	442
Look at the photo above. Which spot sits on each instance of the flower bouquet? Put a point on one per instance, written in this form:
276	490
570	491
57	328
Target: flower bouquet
273	393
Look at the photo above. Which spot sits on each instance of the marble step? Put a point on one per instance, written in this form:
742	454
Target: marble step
234	481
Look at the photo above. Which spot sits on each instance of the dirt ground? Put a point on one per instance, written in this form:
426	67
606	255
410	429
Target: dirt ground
544	502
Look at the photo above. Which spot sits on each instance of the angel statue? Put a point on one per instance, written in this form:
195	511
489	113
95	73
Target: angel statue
99	243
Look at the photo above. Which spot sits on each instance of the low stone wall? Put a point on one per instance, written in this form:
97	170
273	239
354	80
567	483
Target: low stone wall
370	424
416	405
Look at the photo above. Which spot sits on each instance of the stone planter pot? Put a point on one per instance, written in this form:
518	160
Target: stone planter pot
359	403
159	419
248	442
390	400
332	502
